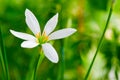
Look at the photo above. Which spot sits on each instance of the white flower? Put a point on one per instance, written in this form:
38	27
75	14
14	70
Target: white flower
42	38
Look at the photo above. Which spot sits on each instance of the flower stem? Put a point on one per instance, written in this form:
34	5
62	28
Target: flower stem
4	57
99	44
39	61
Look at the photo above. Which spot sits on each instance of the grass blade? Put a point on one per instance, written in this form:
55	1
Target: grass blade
99	44
3	56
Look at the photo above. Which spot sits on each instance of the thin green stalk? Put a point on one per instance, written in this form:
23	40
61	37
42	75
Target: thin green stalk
99	44
4	56
39	61
62	60
116	73
3	65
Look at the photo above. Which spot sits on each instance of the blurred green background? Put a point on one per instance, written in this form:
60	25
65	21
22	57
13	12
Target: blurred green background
75	52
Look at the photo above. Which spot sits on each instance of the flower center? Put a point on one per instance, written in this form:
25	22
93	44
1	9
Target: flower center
41	39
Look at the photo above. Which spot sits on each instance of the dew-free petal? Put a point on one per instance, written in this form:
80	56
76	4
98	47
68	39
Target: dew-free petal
29	44
62	33
32	22
51	24
23	36
50	52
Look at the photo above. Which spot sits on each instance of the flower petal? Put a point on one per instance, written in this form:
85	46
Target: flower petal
62	33
51	24
23	36
50	52
29	44
32	22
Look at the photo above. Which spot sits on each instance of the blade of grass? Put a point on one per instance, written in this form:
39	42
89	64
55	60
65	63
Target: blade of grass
3	65
4	55
99	44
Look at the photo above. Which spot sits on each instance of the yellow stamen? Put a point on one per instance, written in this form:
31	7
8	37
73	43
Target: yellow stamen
45	36
37	35
41	38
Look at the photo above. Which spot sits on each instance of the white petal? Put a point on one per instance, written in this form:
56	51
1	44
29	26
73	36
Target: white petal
23	36
29	44
32	22
62	33
50	52
51	24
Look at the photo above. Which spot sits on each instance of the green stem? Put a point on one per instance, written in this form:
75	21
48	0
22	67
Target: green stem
39	61
4	56
3	65
63	60
116	73
99	44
